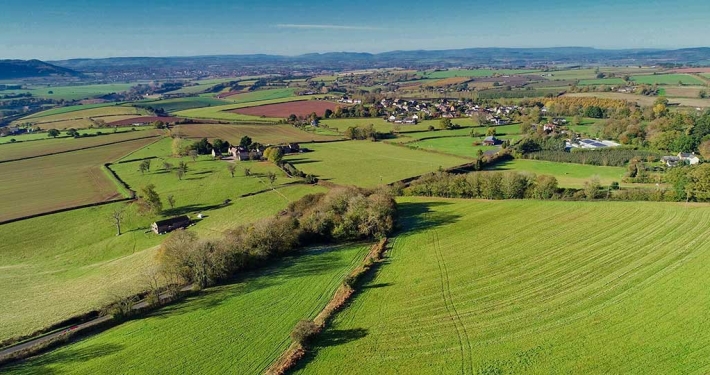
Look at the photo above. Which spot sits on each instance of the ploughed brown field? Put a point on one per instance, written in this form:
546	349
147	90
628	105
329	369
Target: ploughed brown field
143	120
300	108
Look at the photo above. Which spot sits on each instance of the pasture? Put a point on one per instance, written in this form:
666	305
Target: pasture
567	174
81	118
667	79
237	328
368	164
510	287
42	136
602	81
265	134
460	146
59	181
67	109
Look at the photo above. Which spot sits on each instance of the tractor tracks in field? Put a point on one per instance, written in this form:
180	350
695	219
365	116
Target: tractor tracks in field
464	340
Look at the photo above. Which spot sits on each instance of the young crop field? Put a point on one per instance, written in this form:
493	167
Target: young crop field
46	121
283	110
181	104
59	181
62	110
252	317
265	134
667	79
512	287
368	164
224	112
567	174
21	150
683	91
261	95
473	73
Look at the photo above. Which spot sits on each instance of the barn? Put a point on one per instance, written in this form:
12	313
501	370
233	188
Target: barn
169	225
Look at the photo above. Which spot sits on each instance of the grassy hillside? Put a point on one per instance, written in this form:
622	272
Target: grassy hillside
507	287
239	328
368	164
260	95
181	104
265	134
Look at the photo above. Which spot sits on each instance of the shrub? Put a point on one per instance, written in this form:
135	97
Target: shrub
304	331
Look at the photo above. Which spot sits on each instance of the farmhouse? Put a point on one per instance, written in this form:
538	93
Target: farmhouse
239	153
672	161
169	225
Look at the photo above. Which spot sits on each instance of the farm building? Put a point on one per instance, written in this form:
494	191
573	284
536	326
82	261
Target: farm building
239	153
681	158
491	141
169	225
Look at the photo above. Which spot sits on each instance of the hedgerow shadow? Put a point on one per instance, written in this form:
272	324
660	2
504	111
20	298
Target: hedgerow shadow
422	216
44	363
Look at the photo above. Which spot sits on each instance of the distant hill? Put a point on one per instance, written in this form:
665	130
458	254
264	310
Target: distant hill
15	69
422	59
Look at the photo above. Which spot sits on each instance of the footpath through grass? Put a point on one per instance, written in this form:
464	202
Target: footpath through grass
508	287
239	328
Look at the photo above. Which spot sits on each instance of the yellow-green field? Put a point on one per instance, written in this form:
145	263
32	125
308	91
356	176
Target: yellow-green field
513	287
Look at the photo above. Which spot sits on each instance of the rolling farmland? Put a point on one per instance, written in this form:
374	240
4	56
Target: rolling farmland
252	317
667	79
473	73
181	104
480	287
368	164
261	95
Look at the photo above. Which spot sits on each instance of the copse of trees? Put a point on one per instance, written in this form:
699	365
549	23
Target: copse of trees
614	157
341	215
485	185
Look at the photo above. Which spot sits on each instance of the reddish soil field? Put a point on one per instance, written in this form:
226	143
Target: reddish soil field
301	108
144	120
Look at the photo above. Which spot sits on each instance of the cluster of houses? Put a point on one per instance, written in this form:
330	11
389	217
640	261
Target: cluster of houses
240	153
681	158
349	100
11	130
403	111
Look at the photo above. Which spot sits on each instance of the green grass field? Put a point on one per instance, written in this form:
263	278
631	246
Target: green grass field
368	164
667	79
42	136
80	118
59	181
239	328
529	287
473	73
181	104
567	174
79	92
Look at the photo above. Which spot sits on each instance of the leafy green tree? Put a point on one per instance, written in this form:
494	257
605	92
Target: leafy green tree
445	123
171	201
193	154
245	142
150	200
72	133
181	170
54	133
144	166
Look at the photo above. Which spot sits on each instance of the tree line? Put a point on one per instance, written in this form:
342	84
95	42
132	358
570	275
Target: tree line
340	215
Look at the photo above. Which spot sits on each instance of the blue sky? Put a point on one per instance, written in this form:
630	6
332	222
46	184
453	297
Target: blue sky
53	29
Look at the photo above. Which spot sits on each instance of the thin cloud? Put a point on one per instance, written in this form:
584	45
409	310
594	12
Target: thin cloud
324	27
